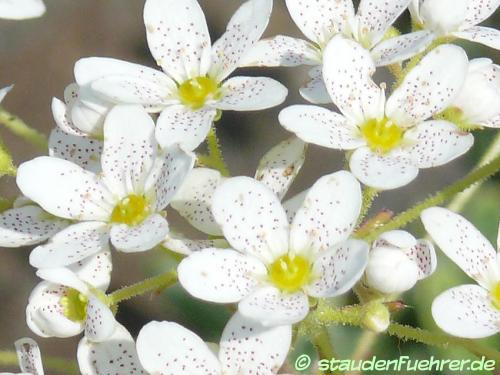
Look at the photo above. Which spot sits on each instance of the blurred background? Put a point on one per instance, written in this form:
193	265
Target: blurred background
38	57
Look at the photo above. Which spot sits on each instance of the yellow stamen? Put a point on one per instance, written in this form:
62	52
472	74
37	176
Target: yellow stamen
290	274
495	295
131	210
196	91
74	305
381	135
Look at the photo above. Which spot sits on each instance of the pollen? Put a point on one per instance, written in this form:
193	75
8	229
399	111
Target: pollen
381	135
195	92
131	210
495	295
74	305
289	273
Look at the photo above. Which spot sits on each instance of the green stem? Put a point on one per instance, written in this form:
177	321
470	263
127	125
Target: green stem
21	129
214	158
322	343
152	284
369	195
60	365
406	217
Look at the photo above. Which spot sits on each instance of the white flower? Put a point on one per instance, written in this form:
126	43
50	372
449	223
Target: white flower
478	102
28	356
320	21
193	85
390	139
123	203
275	265
397	261
70	300
246	348
21	9
471	311
277	170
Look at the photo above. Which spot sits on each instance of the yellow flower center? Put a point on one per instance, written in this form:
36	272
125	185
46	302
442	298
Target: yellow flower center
74	305
131	210
196	91
290	274
381	135
495	295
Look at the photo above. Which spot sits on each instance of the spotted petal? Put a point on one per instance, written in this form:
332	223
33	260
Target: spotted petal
314	90
74	243
485	35
178	124
459	240
466	311
271	307
328	214
100	322
424	255
178	37
430	87
194	199
402	47
320	126
339	269
219	275
280	165
251	218
168	348
95	270
62	117
21	9
251	94
27	225
479	10
29	356
250	348
114	355
141	237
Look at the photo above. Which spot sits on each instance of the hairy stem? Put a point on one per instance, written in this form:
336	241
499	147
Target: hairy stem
21	129
152	284
214	158
406	217
59	365
369	195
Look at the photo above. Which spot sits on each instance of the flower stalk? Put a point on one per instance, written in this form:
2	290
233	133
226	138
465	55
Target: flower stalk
23	130
214	158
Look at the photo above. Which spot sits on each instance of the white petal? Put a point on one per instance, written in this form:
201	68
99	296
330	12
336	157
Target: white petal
459	240
244	29
115	355
401	47
141	237
282	50
64	189
338	269
397	238
320	126
321	19
328	214
248	346
466	311
219	275
383	172
4	91
129	150
187	246
271	307
443	16
251	94
493	122
27	225
180	125
193	201
21	9
374	18
170	170
347	72
436	143
74	243
100	323
251	217
280	165
293	204
44	313
95	270
314	90
479	10
430	87
168	348
424	255
80	150
63	276
29	356
485	35
178	37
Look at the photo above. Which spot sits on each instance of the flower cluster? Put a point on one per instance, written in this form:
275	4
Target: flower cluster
125	149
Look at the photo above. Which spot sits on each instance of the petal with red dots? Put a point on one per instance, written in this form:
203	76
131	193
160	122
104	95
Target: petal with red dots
29	356
479	10
485	35
100	322
94	270
424	255
141	237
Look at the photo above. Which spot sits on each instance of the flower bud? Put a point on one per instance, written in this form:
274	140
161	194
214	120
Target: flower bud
376	317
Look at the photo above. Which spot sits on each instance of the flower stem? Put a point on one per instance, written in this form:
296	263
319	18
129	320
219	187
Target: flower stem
156	283
369	195
214	158
59	365
21	129
406	217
